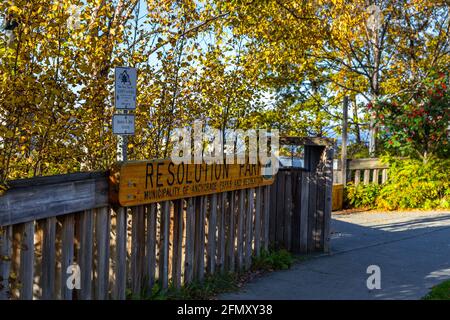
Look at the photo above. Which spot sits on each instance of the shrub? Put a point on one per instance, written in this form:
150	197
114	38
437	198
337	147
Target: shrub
273	260
416	184
361	196
412	184
439	292
417	124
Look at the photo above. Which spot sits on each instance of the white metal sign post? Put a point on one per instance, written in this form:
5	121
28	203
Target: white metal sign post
125	79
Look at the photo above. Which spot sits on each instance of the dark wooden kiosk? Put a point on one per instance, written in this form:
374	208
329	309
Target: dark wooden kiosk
300	211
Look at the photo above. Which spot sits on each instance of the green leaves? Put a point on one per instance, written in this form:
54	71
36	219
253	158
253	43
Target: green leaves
412	184
418	125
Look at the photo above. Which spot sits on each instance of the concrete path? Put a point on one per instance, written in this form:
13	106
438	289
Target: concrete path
412	250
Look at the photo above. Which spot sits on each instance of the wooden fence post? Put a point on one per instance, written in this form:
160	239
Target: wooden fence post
5	261
231	231
164	246
258	201
121	254
177	243
328	173
240	231
212	224
249	228
304	205
221	229
68	225
190	241
137	249
266	217
86	253
102	230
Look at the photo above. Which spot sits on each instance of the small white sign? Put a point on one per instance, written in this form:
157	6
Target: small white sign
125	88
123	124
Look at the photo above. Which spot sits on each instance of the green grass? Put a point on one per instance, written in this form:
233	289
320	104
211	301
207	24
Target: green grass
219	283
211	286
273	260
439	292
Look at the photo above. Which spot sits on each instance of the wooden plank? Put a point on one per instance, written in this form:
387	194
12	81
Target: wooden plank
137	249
38	257
240	231
151	244
5	261
315	155
258	212
121	254
320	208
366	176
140	182
296	212
328	171
197	228
86	254
312	211
17	231
267	193
357	177
221	230
212	225
304	212
369	163
177	243
164	246
337	197
200	230
56	179
273	209
102	228
231	238
249	228
27	261
375	176
244	213
280	209
67	255
287	229
27	201
384	174
190	240
49	259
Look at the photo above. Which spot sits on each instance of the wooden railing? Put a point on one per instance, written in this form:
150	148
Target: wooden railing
53	229
118	248
370	170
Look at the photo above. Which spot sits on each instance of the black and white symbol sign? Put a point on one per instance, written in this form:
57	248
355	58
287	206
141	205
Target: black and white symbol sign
125	88
123	124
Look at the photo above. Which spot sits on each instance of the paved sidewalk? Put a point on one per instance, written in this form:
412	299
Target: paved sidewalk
411	248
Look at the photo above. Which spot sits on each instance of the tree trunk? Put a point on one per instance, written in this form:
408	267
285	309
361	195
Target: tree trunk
356	121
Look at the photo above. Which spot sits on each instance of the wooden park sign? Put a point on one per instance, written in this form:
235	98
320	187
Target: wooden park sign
142	182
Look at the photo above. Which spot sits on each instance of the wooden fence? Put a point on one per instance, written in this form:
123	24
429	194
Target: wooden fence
369	170
54	228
